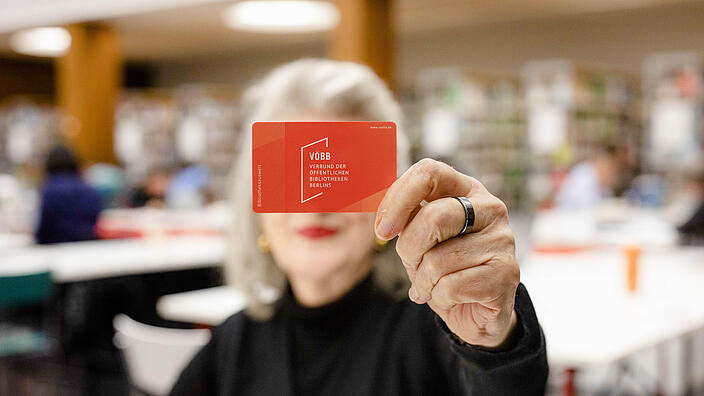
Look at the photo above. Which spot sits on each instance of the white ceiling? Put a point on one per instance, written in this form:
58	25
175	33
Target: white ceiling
173	29
18	14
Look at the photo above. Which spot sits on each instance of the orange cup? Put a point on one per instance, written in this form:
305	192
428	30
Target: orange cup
631	254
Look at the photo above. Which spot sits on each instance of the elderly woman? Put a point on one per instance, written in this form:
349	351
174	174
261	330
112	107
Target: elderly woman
331	310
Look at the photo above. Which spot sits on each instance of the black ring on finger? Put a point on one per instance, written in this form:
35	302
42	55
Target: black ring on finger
468	215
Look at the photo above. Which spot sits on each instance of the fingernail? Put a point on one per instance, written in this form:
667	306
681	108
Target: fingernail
384	229
413	294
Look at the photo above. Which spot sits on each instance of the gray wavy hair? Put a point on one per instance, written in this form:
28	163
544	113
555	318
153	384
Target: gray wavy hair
308	86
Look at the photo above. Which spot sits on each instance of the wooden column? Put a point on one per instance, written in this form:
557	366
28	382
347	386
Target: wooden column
365	35
88	80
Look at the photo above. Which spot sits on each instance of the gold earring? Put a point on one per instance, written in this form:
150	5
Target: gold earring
379	244
263	243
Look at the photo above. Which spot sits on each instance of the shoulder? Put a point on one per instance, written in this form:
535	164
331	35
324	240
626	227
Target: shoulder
86	188
51	186
225	341
238	331
232	327
64	184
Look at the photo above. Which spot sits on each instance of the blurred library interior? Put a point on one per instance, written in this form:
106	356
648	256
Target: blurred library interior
583	117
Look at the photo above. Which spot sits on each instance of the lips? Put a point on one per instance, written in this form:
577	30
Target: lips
317	232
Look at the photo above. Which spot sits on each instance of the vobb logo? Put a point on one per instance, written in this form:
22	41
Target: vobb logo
314	156
320	156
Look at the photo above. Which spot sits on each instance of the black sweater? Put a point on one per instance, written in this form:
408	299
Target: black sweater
365	343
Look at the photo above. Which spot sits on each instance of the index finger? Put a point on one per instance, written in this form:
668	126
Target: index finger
426	180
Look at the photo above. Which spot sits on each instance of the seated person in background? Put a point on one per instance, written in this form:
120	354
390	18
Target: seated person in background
693	229
344	318
695	224
108	180
69	207
589	182
188	187
152	191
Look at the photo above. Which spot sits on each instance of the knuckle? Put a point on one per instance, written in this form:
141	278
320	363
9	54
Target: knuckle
421	175
434	212
420	281
500	208
423	283
513	272
436	220
401	250
511	275
431	266
507	240
477	186
434	234
497	210
427	172
439	298
421	167
427	168
474	181
427	163
503	209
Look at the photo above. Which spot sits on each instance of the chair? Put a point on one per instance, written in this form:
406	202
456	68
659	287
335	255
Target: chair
155	356
22	333
25	289
19	291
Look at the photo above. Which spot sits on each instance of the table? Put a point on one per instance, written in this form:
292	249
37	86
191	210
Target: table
23	264
603	228
78	261
12	241
588	316
140	222
576	294
205	307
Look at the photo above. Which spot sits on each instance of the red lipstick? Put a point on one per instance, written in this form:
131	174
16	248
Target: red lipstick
316	232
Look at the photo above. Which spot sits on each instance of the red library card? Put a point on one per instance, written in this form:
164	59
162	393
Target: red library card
322	166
